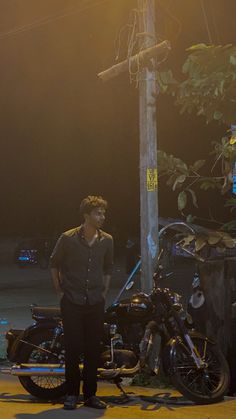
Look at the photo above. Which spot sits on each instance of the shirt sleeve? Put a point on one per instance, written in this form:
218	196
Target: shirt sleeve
57	255
108	259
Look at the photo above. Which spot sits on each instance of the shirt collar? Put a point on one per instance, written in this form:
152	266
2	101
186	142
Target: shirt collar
80	232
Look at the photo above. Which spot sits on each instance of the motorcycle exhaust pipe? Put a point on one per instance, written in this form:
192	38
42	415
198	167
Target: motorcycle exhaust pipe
125	372
56	370
42	370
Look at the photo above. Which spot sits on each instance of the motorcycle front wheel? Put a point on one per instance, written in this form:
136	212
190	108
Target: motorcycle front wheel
43	387
205	385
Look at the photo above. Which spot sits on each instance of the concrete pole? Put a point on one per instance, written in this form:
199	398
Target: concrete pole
148	149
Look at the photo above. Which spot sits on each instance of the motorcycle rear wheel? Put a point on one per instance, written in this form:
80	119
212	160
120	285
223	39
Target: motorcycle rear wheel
203	386
47	388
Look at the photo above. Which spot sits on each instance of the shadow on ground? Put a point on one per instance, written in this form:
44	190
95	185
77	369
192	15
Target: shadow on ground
145	403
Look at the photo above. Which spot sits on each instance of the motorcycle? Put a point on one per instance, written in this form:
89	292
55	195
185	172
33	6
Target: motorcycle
141	332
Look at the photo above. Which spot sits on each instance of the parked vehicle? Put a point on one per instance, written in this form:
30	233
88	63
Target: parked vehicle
34	251
140	332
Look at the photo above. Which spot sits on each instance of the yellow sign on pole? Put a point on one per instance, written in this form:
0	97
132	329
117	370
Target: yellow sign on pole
152	180
233	135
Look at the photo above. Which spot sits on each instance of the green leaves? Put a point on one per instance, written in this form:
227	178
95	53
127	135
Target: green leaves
198	165
231	203
209	87
198	47
179	180
201	241
188	180
190	218
231	225
194	197
224	149
182	200
209	90
166	81
232	59
214	238
209	183
218	239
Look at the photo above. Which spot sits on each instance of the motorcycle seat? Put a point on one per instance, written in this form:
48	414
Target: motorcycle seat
43	313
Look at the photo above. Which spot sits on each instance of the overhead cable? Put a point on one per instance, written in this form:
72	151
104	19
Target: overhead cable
206	21
50	18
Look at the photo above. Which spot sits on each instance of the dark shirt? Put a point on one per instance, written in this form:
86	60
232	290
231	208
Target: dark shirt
82	266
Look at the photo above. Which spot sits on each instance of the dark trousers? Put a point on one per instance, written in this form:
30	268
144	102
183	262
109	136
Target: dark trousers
83	328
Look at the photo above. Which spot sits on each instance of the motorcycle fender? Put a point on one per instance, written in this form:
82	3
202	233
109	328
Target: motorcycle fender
168	351
17	345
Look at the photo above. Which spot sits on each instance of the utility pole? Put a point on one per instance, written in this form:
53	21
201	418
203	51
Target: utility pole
145	58
148	149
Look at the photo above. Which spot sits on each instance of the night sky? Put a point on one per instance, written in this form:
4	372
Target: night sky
65	134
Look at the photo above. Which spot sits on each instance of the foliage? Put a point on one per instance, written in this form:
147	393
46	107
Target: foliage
217	239
208	89
187	179
182	177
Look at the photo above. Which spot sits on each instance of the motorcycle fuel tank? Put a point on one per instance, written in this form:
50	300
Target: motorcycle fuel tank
138	306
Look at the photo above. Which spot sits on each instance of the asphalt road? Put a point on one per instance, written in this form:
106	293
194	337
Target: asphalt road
21	287
15	403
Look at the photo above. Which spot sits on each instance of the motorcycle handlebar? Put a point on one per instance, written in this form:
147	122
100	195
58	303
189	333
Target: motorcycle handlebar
175	224
195	255
182	223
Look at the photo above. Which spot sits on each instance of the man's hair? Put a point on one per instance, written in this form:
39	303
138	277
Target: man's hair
91	202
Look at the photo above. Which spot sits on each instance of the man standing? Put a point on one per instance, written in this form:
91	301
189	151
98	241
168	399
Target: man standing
81	266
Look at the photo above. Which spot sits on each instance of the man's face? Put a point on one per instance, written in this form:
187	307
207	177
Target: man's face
96	217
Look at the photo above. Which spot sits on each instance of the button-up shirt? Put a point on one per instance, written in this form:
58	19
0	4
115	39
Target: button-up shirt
82	266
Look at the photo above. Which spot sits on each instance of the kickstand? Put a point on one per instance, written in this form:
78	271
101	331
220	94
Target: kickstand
124	397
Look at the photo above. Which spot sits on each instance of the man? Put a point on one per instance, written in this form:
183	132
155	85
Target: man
81	266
